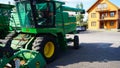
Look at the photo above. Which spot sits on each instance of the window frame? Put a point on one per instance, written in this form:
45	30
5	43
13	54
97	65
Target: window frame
112	23
93	23
112	14
102	6
93	15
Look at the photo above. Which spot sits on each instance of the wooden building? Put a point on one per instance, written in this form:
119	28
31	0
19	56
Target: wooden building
104	14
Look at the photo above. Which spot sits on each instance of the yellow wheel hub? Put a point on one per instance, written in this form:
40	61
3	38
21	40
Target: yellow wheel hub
49	49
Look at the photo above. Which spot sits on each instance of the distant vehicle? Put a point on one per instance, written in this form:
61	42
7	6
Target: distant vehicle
80	28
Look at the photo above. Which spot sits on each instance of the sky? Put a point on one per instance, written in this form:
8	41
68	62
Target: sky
72	3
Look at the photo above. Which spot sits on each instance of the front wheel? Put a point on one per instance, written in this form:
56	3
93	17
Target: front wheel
47	46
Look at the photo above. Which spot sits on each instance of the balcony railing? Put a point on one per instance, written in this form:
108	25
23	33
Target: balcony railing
111	18
108	17
102	9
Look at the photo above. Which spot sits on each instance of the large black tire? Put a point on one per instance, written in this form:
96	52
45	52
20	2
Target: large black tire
76	42
40	44
11	35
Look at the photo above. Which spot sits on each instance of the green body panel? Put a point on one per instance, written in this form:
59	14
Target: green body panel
68	28
43	30
31	58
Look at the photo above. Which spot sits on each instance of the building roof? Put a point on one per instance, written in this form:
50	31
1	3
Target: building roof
114	2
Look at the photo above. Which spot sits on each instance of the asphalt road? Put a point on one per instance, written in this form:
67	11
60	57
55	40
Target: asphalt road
98	50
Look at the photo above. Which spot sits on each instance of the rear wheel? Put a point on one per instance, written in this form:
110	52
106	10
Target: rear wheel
76	42
47	46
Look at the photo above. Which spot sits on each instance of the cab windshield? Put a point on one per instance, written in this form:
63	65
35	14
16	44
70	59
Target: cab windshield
44	14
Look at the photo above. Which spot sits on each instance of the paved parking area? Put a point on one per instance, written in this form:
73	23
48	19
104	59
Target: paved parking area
98	50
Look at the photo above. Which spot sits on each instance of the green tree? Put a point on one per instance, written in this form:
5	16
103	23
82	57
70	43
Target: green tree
79	16
81	5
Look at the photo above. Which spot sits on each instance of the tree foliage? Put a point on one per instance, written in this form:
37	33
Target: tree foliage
79	16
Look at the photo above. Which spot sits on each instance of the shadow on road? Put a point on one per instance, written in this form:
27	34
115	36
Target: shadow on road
89	52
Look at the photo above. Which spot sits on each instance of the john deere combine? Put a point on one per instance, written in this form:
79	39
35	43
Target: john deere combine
5	11
44	26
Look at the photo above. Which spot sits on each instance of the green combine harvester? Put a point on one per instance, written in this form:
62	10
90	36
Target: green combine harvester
5	11
44	26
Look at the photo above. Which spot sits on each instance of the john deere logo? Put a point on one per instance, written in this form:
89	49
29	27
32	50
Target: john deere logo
27	30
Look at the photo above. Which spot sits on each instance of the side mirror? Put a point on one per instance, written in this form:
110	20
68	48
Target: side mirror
83	12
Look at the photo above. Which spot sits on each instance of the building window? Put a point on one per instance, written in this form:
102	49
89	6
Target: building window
103	15
93	15
112	23
102	6
112	14
93	23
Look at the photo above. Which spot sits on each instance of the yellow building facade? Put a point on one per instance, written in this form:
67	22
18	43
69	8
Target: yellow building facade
103	15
